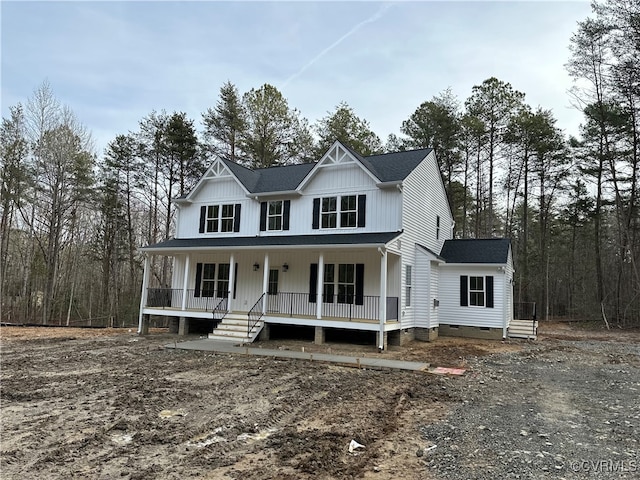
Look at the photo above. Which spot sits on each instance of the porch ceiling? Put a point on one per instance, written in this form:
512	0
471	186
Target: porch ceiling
337	240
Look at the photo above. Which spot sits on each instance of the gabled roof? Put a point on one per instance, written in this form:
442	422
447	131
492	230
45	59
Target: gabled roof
284	241
389	167
472	250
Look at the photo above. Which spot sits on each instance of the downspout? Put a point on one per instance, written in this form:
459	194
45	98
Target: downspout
383	297
143	293
505	320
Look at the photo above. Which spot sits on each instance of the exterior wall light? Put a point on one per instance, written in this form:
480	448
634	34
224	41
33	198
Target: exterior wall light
285	267
256	267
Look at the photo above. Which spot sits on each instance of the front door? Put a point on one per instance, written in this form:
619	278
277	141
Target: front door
272	291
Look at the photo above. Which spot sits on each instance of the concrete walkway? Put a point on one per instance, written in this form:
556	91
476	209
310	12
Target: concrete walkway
368	362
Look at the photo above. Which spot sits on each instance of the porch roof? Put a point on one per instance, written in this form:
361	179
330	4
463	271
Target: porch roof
341	240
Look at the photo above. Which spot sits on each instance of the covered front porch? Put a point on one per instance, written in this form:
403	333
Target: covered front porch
352	286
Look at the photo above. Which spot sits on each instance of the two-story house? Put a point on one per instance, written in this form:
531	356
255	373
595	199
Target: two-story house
347	243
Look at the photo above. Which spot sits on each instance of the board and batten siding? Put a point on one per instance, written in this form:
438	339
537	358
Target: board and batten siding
434	279
451	313
383	206
216	192
423	200
422	295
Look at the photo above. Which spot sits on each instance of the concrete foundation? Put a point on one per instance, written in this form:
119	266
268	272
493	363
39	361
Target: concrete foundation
399	338
426	334
183	326
265	333
319	336
470	332
173	325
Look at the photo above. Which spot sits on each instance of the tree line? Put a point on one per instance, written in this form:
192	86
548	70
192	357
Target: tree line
71	220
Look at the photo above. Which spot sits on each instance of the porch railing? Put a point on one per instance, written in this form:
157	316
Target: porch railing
366	307
524	311
172	298
254	315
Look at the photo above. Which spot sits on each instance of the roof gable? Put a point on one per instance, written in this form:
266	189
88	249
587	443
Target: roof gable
338	155
472	250
218	170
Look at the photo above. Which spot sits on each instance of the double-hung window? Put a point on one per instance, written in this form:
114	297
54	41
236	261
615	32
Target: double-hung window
348	211
407	285
328	288
208	283
476	291
220	218
346	283
329	213
274	215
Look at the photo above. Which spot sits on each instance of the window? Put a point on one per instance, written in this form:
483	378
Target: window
223	281
348	211
220	218
272	287
208	282
328	288
438	227
407	285
476	291
274	215
346	283
329	212
226	222
213	212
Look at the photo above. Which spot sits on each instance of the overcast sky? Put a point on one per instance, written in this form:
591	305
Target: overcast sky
115	62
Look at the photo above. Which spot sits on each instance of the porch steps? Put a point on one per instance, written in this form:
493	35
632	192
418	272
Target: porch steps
523	329
233	328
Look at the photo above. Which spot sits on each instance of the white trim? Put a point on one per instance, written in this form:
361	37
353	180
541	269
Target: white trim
383	297
320	286
185	282
265	247
210	174
143	294
232	278
265	282
336	155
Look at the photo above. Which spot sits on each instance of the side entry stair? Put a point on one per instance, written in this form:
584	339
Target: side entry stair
233	328
523	329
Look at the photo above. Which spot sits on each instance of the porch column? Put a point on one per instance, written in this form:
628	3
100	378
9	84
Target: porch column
232	279
319	288
383	297
265	283
185	284
143	294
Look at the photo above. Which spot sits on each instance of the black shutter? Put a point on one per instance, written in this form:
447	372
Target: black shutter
286	208
263	216
359	283
316	214
362	210
235	280
464	291
489	292
203	217
313	282
236	218
196	293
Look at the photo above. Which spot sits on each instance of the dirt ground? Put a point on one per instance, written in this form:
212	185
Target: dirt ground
105	403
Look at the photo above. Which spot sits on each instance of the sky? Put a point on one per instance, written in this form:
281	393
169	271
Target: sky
114	62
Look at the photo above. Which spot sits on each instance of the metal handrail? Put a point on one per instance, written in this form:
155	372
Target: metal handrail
223	307
254	315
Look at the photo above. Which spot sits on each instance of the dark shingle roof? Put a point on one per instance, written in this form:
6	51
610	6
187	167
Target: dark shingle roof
388	167
276	240
391	167
486	250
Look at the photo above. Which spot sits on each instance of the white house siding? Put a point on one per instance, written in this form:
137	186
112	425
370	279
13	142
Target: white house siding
451	313
434	295
421	295
424	199
508	288
177	278
217	192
